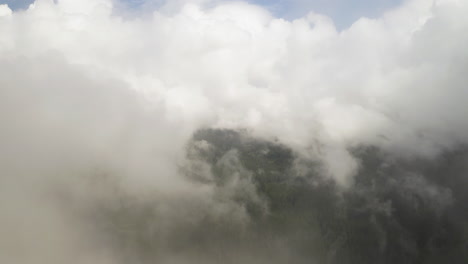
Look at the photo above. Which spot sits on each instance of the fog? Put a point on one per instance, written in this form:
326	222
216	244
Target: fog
214	132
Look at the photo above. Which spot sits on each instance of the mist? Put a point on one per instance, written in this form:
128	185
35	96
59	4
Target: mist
215	132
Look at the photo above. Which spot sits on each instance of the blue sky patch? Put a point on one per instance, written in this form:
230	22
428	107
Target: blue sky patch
343	12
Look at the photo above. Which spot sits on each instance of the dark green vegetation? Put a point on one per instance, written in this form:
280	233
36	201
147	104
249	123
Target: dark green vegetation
268	205
396	211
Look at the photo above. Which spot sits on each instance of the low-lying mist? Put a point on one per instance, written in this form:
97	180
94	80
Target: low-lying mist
214	132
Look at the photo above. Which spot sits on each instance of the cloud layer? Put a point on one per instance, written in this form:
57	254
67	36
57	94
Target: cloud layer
87	89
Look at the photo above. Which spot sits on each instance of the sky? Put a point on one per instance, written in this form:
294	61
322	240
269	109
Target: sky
343	12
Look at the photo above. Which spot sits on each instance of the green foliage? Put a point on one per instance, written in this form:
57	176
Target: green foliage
397	211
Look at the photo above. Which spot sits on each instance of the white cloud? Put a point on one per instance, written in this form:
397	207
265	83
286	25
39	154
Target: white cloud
5	11
398	76
81	87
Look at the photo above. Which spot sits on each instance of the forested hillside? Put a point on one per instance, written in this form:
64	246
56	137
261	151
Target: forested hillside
279	208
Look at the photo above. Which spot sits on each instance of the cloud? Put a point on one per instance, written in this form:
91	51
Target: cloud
344	12
85	88
234	65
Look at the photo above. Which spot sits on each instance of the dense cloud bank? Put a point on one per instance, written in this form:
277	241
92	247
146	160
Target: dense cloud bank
328	146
